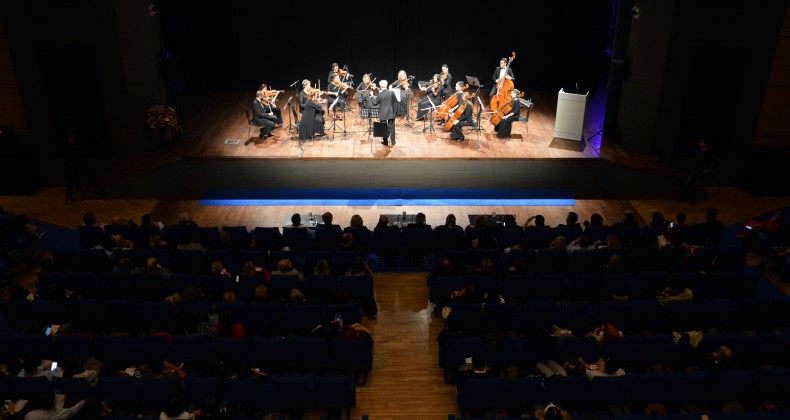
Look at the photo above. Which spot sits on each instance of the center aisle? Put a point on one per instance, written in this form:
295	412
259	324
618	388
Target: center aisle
406	381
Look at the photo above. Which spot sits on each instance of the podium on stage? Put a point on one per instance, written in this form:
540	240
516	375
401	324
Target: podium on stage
570	115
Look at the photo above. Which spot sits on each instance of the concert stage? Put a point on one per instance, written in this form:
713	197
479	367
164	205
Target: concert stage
213	155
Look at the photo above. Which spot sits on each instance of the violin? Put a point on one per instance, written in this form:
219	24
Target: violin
344	73
340	85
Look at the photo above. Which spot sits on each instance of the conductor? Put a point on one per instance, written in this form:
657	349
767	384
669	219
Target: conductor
386	103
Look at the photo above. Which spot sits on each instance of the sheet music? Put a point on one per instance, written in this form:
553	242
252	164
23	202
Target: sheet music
397	94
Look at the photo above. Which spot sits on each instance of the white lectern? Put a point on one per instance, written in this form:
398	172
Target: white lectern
570	115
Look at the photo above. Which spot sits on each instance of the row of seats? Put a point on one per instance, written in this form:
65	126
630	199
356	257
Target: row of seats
155	286
106	316
392	241
633	353
248	395
518	395
272	355
535	317
516	287
772	415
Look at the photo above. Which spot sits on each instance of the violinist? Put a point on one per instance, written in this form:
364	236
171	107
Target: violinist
502	71
447	81
339	90
270	103
404	93
432	99
332	73
456	133
366	86
304	94
312	122
504	126
261	117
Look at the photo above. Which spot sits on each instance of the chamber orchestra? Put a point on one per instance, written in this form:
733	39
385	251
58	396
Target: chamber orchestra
450	106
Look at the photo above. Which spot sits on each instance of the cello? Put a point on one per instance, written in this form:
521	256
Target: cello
503	110
458	112
448	105
503	86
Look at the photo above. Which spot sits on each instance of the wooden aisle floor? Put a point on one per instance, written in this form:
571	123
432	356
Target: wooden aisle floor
405	382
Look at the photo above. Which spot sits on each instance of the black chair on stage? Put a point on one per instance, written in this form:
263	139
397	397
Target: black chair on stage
250	125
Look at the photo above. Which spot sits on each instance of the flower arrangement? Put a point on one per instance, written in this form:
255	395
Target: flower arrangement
163	122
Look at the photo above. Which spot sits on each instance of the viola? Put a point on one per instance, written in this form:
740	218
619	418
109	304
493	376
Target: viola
448	105
503	110
503	86
458	112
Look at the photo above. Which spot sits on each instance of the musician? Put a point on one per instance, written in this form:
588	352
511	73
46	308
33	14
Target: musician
432	99
456	133
386	102
272	95
262	117
312	122
304	94
459	92
503	129
364	87
332	73
447	78
402	85
339	90
502	71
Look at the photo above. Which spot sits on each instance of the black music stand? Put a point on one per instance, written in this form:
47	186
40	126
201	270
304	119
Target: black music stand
473	81
408	102
333	108
427	122
291	112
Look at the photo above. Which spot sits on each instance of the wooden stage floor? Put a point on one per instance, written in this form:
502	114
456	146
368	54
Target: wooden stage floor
217	127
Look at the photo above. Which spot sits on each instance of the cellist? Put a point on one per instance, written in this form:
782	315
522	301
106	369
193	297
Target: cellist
503	128
502	71
449	105
456	133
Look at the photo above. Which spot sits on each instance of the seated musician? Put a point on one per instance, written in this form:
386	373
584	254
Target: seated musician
272	95
432	99
338	90
504	126
312	122
459	91
262	116
447	81
363	90
465	119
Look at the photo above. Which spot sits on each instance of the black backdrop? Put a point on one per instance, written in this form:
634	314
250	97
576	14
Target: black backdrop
239	44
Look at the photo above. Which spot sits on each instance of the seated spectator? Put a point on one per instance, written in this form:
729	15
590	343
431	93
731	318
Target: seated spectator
419	222
359	267
44	406
261	294
218	269
346	242
477	369
675	293
581	243
321	268
481	235
327	219
250	269
188	243
755	227
285	268
185	221
601	368
296	221
550	412
605	332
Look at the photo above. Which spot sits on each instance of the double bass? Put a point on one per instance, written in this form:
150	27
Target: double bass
458	112
503	86
448	105
503	110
